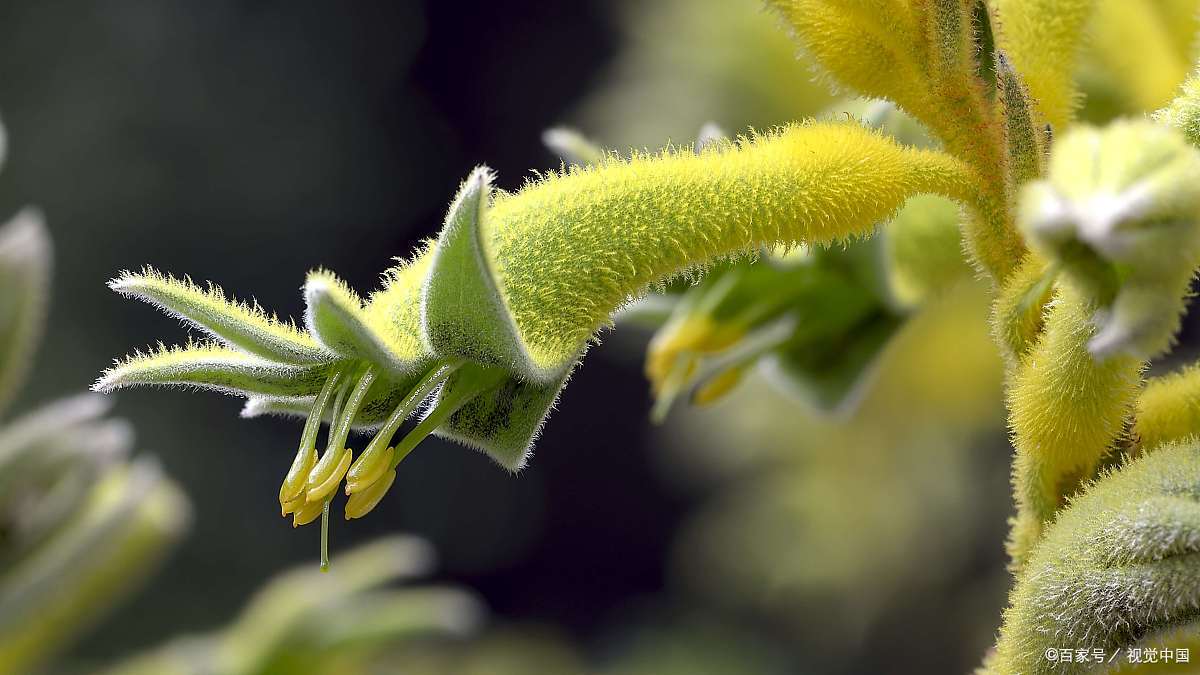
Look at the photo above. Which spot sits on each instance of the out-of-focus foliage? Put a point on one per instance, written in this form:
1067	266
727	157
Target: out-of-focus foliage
686	62
813	520
81	524
308	622
1115	79
511	650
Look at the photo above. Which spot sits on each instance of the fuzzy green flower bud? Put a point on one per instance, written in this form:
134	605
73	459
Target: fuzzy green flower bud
1120	213
1117	566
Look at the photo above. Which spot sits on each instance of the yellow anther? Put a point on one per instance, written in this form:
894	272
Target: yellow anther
718	386
297	476
367	469
293	505
669	387
361	503
309	513
327	474
687	334
696	334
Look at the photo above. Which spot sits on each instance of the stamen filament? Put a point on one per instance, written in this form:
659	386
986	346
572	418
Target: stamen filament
478	381
333	465
371	464
306	456
312	426
346	418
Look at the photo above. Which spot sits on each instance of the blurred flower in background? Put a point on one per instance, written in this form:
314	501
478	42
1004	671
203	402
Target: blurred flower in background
826	528
344	621
82	523
683	63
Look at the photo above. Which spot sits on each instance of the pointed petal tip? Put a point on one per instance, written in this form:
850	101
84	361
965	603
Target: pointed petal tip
127	282
107	383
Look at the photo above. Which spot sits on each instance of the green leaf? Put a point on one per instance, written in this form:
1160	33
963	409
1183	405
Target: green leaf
215	368
831	372
288	605
306	621
49	460
335	315
1120	563
244	326
463	311
384	617
25	261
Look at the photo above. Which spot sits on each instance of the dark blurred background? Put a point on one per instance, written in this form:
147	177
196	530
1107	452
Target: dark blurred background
249	142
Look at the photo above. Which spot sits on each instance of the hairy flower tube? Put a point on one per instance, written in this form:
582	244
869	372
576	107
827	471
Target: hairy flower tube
487	322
